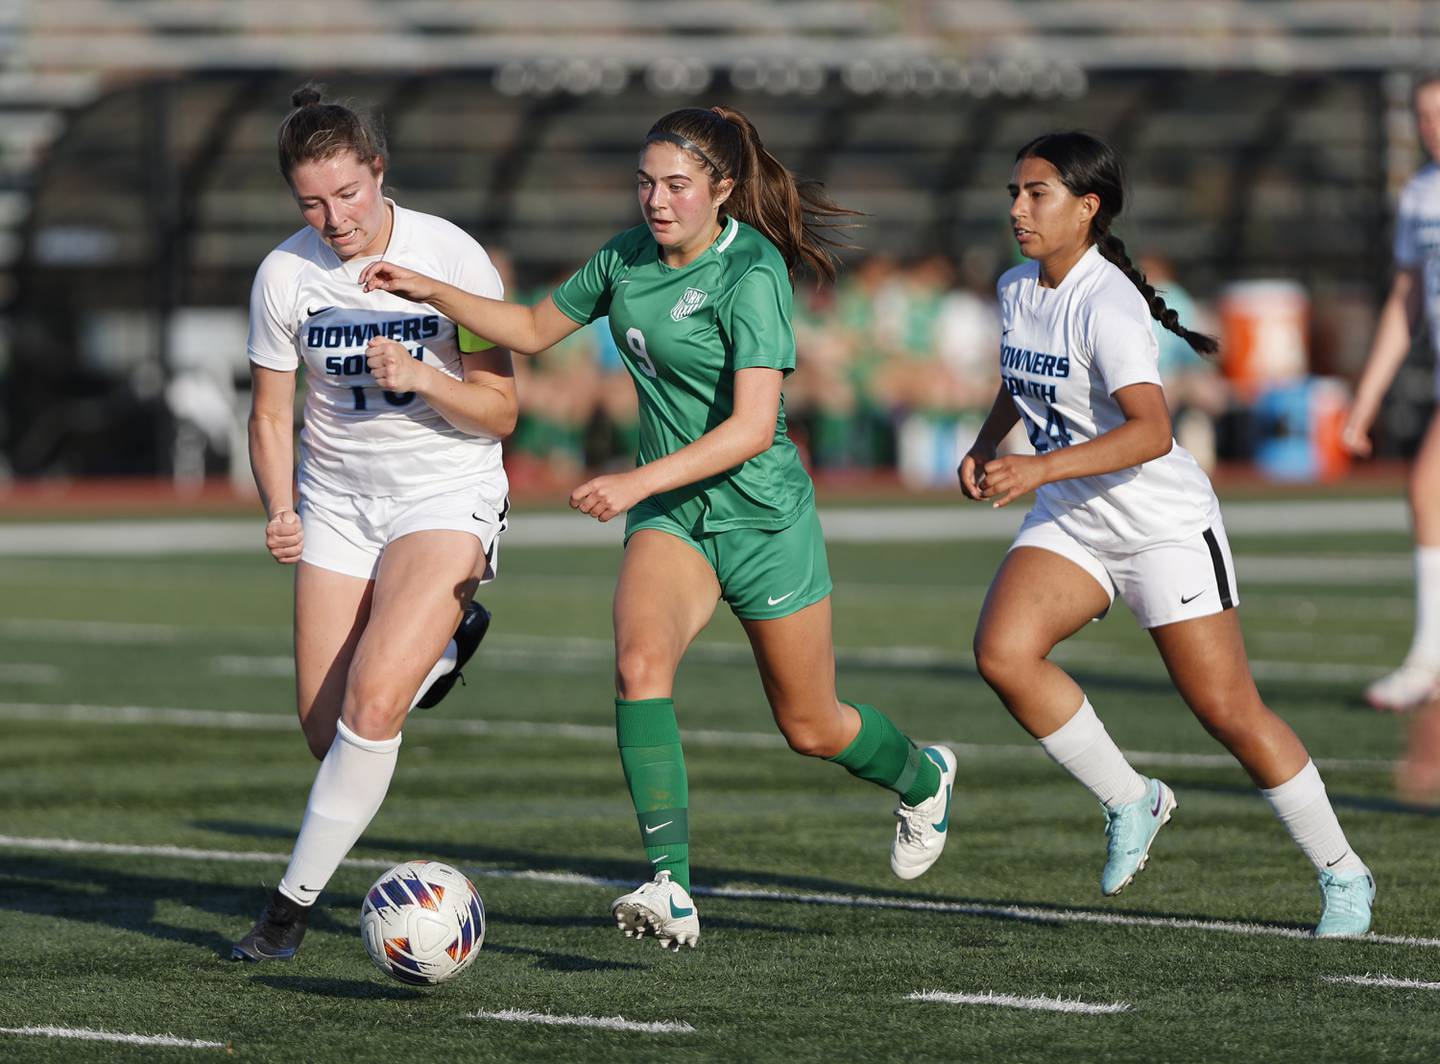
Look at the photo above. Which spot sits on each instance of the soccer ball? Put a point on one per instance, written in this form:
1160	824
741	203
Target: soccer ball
422	922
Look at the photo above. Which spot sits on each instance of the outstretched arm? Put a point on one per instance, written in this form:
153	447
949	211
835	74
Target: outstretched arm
528	330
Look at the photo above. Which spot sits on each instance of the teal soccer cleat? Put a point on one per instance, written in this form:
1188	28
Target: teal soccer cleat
1345	904
1131	829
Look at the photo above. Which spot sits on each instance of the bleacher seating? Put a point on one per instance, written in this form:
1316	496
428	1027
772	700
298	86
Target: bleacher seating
136	136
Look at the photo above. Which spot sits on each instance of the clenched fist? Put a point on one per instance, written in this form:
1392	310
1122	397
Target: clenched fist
394	368
284	537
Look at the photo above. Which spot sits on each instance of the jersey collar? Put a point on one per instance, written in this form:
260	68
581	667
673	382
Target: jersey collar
727	236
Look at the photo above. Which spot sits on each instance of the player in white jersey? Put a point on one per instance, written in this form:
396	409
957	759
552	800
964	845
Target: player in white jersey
1120	508
402	496
1415	291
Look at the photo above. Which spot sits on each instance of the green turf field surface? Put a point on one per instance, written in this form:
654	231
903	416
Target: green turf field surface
146	703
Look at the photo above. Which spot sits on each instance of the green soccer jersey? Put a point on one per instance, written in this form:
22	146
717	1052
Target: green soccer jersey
683	333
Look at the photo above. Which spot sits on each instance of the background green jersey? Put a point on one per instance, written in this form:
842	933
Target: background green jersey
683	333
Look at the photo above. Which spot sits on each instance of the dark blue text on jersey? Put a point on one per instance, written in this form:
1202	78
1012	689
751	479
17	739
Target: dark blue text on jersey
1033	389
419	328
1033	362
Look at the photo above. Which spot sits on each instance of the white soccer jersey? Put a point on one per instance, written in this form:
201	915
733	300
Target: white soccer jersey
306	305
1064	352
1417	240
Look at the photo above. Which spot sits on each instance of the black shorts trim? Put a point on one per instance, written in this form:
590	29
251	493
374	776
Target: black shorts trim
1222	579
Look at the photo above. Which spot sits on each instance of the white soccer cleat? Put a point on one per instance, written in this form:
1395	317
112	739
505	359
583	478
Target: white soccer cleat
1409	687
661	908
922	829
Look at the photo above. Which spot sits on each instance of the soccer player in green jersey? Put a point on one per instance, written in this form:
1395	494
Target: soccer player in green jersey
719	505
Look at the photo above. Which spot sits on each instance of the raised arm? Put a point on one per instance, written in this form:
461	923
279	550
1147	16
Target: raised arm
528	330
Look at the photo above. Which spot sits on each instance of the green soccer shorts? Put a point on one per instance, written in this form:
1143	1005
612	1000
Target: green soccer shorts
763	573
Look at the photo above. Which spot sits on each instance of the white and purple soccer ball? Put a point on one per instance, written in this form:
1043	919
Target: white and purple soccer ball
422	922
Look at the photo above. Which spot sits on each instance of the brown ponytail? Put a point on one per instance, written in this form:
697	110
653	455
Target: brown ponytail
792	213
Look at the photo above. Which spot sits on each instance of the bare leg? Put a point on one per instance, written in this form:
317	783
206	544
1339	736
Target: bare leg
1207	662
1036	600
796	656
331	610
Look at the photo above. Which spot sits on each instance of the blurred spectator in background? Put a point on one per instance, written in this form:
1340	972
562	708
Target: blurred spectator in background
1415	290
899	366
615	424
841	344
561	388
1197	393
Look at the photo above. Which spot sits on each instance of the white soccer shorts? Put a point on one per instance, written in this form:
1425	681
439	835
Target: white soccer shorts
348	533
1161	584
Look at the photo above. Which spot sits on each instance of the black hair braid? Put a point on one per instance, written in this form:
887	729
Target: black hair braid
1113	248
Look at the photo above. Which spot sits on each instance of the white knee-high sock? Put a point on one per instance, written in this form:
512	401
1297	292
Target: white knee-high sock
347	792
1425	647
1304	808
1083	748
447	662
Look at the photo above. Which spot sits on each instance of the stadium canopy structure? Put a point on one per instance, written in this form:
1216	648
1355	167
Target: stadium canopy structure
138	188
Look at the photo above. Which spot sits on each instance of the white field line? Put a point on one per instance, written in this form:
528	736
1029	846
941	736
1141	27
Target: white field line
27	672
1024	914
266	665
87	1035
235	720
602	650
1018	913
841	524
1387	981
189	853
1011	1001
604	1023
124	633
572	653
581	654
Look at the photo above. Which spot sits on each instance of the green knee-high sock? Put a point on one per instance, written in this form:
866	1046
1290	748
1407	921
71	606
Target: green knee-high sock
649	741
884	755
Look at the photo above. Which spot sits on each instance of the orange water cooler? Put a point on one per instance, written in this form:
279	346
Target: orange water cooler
1265	354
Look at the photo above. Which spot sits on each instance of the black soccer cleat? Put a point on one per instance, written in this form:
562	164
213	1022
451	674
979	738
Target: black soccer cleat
276	935
474	623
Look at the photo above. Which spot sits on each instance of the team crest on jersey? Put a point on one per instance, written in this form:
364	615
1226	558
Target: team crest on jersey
689	303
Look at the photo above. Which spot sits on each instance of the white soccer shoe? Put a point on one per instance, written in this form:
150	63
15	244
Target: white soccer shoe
922	829
662	908
1409	687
